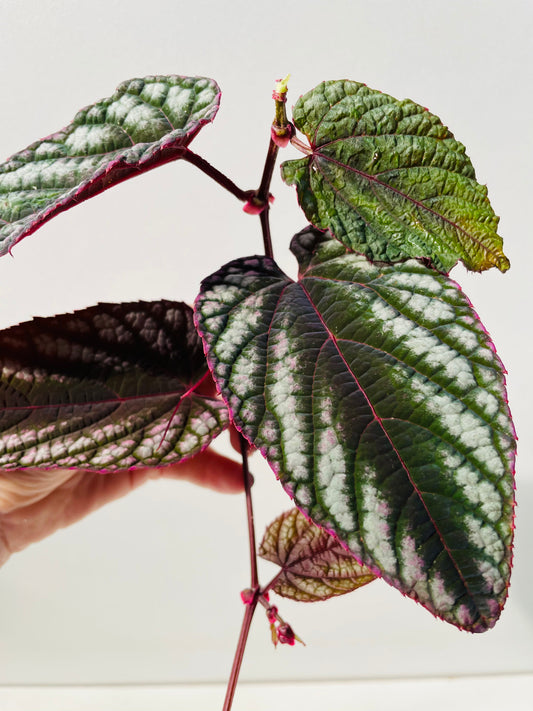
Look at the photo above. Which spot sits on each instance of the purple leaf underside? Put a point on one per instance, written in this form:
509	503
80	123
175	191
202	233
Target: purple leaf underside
314	565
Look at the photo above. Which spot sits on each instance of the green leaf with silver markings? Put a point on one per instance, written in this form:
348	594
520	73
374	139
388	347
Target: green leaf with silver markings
314	565
114	386
146	123
376	395
390	181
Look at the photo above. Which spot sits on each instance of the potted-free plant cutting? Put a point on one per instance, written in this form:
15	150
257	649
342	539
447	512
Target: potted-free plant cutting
369	384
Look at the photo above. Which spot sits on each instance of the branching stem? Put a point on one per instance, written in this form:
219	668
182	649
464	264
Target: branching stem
259	201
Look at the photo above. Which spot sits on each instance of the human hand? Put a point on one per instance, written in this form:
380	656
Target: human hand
36	502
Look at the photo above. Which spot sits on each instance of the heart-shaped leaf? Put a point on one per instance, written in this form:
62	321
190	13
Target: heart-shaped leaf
314	565
376	396
147	122
390	181
110	387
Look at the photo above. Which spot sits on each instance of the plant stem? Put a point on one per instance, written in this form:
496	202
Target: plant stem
271	584
254	581
265	229
266	178
217	176
280	134
239	653
263	195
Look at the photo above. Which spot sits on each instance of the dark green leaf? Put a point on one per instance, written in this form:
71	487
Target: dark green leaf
147	122
376	395
110	387
314	565
390	181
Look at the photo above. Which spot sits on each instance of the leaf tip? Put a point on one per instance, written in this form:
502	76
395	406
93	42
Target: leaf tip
503	264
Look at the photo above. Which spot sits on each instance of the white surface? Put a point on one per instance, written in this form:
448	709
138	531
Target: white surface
147	590
462	694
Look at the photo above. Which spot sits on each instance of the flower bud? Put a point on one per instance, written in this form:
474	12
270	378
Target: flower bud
272	614
286	635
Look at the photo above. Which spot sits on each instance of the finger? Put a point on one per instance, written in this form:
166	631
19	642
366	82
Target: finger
84	492
209	469
38	502
81	494
23	487
65	496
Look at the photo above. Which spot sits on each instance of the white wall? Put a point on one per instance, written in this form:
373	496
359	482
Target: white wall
147	589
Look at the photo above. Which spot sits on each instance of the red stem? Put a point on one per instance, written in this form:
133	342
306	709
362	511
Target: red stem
217	176
263	194
271	584
265	228
266	179
239	653
254	585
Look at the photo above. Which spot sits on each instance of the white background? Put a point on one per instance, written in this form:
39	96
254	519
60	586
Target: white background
147	589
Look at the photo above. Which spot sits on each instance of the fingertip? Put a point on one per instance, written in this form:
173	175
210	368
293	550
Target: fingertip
211	470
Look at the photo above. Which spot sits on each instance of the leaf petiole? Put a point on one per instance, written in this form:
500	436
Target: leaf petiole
217	176
301	146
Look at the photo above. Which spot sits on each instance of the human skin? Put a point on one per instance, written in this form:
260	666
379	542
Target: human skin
36	502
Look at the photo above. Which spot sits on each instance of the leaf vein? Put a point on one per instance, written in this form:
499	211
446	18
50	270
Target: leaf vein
371	179
380	422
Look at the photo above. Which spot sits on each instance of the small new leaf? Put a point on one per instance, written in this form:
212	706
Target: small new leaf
146	123
111	387
376	395
314	565
390	181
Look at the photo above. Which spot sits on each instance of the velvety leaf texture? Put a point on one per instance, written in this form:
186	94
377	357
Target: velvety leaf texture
377	397
110	387
147	122
389	181
315	566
